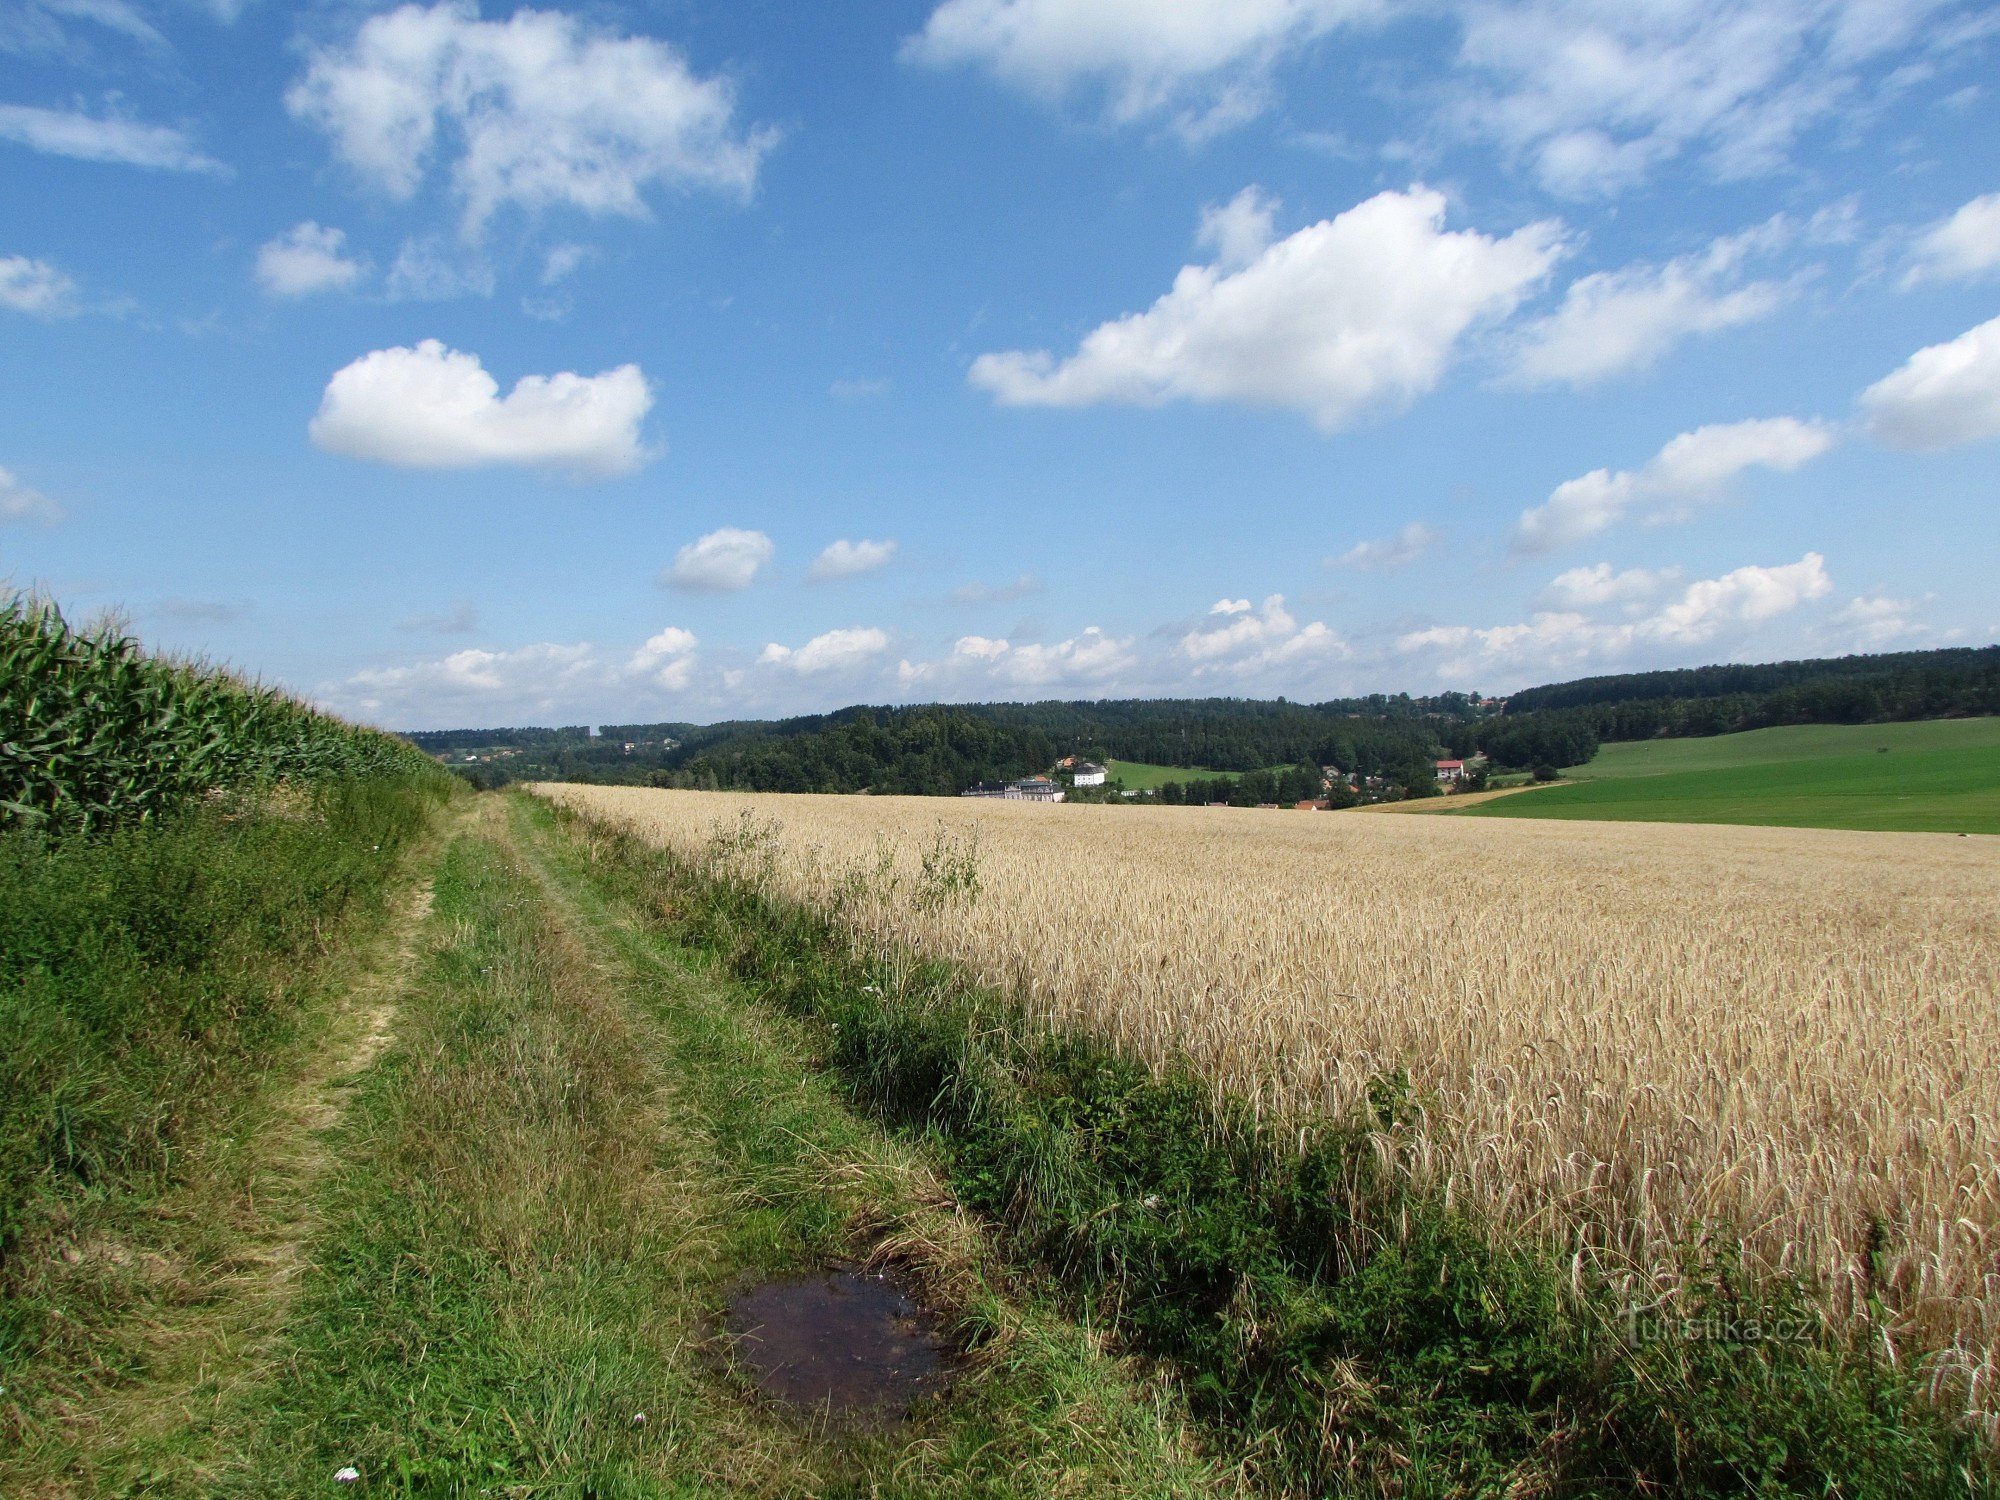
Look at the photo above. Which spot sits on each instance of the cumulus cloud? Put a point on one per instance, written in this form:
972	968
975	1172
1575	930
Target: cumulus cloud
105	138
1748	596
1616	322
1876	622
21	502
835	651
1692	470
1942	396
1383	553
305	259
667	660
1595	587
540	678
1555	641
538	111
435	408
845	559
1089	657
1238	640
1206	63
35	287
1594	96
722	562
1959	248
1352	315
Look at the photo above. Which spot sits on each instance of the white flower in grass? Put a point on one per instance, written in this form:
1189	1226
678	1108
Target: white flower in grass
347	1475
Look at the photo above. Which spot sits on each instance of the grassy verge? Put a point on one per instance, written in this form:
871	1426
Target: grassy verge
151	980
1341	1331
578	1144
145	976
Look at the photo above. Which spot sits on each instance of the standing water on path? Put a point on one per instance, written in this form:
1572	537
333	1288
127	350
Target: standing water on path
846	1343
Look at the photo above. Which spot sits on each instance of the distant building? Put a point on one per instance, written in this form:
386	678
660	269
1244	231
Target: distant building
1087	774
1034	789
1029	789
1451	770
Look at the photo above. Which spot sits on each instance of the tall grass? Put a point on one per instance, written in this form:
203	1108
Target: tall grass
94	732
177	847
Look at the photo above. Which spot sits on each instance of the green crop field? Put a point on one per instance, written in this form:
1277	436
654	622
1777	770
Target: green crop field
1138	776
1938	776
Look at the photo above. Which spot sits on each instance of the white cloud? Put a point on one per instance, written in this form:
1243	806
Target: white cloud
1238	640
1240	230
56	132
1691	470
1207	62
1748	596
1595	587
1876	622
35	287
538	111
434	408
1383	553
1942	396
40	27
835	651
1615	322
721	562
666	659
429	268
1595	95
980	664
20	502
1961	247
1554	641
1351	315
562	262
538	678
305	259
845	559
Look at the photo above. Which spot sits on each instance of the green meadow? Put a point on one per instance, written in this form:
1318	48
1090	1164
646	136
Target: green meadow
1936	776
1139	776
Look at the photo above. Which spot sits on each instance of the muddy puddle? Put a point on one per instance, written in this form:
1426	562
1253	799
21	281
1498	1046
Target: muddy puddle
846	1344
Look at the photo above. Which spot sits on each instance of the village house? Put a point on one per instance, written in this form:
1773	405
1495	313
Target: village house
1086	774
1028	789
1451	770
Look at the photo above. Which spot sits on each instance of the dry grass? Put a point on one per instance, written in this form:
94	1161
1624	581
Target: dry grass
1627	1038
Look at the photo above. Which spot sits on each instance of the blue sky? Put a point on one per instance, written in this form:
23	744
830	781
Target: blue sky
461	365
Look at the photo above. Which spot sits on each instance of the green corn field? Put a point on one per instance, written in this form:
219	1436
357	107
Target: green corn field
97	733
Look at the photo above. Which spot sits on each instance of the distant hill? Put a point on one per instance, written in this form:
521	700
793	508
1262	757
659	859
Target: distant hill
938	749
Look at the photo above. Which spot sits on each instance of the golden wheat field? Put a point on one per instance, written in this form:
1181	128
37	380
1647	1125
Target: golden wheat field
1623	1035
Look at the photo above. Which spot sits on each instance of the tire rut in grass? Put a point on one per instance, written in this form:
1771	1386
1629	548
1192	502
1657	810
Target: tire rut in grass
209	1276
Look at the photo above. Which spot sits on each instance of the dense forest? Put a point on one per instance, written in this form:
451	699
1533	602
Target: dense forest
1271	746
1554	723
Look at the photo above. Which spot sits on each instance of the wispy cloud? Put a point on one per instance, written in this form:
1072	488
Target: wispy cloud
105	138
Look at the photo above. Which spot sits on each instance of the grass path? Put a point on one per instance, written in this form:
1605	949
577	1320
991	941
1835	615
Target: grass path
497	1209
178	1302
